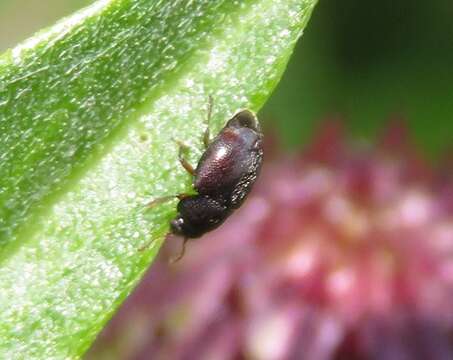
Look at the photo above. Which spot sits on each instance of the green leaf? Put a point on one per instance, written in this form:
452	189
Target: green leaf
89	111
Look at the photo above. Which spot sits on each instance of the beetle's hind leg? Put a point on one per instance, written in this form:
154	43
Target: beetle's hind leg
207	133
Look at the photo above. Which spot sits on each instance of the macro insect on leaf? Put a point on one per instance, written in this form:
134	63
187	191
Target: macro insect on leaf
223	177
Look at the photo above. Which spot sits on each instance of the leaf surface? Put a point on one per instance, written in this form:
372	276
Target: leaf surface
89	111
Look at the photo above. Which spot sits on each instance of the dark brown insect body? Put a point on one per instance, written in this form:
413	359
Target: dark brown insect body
223	178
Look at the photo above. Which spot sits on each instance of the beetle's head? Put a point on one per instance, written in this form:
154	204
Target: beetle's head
177	225
245	118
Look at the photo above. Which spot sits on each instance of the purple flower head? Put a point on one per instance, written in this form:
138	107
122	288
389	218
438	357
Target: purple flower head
340	252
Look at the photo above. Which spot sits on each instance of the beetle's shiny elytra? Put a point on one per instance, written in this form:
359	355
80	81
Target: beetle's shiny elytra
223	177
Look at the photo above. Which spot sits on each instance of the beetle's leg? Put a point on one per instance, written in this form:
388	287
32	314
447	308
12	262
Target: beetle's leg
185	164
158	201
181	254
207	135
163	199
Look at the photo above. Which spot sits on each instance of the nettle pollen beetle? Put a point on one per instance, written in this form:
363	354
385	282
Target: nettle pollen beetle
223	177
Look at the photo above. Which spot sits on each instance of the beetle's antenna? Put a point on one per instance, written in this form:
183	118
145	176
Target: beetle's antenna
207	133
183	251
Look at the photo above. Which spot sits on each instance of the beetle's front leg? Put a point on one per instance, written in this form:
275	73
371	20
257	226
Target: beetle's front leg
164	199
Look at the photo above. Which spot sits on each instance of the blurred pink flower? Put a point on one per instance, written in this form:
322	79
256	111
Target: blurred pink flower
340	252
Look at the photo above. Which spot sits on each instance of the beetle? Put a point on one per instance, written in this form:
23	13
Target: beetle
223	177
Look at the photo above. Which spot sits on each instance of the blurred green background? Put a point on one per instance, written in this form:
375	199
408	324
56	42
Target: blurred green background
365	62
